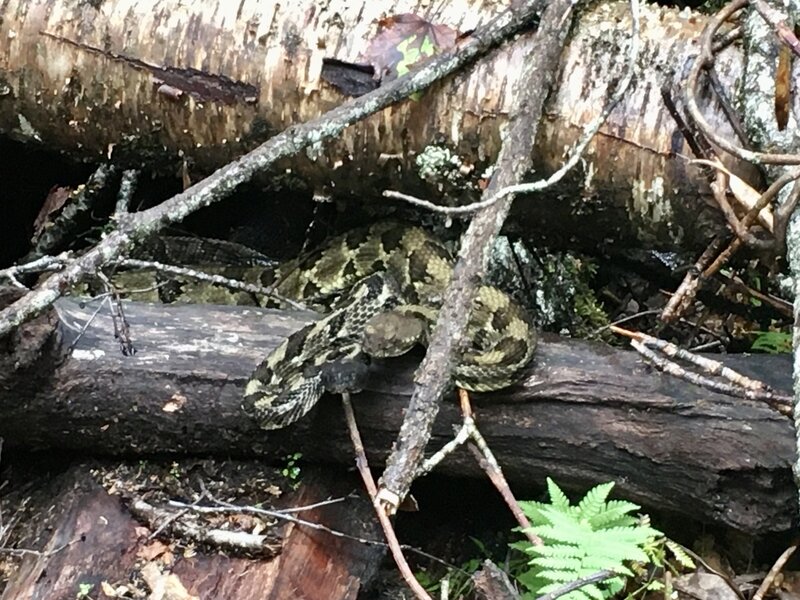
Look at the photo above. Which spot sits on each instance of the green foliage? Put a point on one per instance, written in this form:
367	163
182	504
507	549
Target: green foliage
580	540
680	554
291	469
772	342
84	589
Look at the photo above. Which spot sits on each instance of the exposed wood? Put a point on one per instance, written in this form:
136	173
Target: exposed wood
84	77
89	537
585	414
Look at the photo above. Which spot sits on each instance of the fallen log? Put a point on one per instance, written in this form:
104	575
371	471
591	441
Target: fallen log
585	413
199	85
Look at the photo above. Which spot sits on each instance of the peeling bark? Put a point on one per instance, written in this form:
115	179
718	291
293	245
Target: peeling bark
210	80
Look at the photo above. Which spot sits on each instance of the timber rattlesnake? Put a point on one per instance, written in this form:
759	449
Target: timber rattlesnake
388	281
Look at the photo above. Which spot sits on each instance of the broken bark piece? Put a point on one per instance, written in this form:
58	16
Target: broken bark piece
89	540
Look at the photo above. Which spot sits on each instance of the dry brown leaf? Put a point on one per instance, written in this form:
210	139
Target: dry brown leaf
56	198
783	87
141	531
704	586
152	550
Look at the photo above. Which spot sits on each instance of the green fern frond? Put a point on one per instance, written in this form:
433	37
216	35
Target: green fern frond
680	554
532	510
615	515
596	534
558	499
569	564
587	592
558	576
557	551
595	500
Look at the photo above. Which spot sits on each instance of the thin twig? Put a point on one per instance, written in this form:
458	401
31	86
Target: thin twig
87	323
82	201
577	584
285	514
233	284
160	519
44	263
723	100
492	468
127	187
122	332
513	163
372	489
688	288
779	403
697	144
766	583
782	30
741	386
587	135
703	61
779	304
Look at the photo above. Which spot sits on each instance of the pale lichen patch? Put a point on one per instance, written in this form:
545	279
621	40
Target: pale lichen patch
650	202
93	354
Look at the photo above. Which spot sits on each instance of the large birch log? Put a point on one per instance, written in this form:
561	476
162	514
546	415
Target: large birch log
209	80
584	414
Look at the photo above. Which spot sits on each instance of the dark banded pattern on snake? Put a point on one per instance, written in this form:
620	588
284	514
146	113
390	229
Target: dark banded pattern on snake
387	282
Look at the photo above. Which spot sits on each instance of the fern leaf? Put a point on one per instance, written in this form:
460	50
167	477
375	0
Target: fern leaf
580	540
680	554
613	552
558	576
560	562
558	499
559	550
573	527
614	515
613	586
639	535
595	500
532	510
587	592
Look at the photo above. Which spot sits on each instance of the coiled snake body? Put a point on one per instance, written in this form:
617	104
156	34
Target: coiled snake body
388	282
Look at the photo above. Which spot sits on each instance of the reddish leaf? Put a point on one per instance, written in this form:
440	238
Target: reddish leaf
403	41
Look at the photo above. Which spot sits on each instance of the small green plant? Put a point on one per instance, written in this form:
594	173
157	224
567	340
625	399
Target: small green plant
772	342
84	589
581	540
175	471
291	469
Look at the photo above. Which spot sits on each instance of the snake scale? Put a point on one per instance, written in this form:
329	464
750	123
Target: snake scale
387	283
